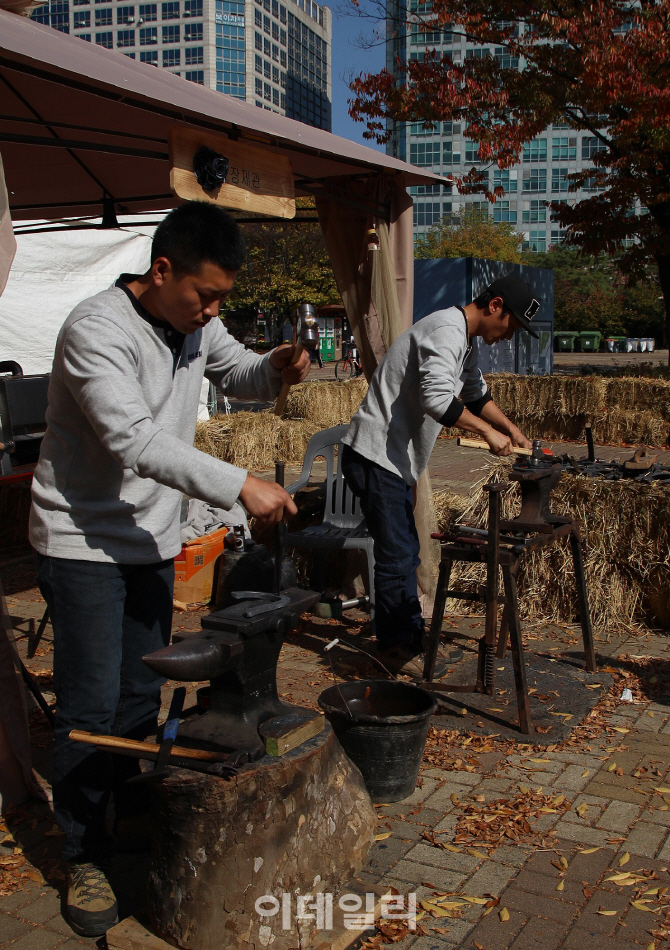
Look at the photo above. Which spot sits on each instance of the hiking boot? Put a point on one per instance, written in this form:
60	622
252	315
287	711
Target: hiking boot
405	660
91	904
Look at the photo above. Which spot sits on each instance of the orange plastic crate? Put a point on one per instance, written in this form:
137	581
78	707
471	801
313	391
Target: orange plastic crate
194	567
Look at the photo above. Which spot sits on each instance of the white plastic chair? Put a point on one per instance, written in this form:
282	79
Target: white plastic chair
343	526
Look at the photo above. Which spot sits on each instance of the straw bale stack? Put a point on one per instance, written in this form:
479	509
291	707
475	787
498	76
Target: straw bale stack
612	426
623	409
626	535
254	440
537	395
641	395
326	404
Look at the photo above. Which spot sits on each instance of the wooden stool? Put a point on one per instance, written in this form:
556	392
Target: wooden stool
502	546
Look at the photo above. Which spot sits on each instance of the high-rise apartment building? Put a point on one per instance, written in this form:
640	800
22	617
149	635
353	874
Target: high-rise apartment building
274	53
540	176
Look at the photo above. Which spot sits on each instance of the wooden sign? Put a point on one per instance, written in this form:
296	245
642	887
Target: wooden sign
258	179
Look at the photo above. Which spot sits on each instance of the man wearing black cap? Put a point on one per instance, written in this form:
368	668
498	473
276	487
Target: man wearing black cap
428	379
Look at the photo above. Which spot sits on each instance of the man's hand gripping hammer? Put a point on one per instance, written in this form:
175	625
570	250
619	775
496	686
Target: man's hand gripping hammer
306	338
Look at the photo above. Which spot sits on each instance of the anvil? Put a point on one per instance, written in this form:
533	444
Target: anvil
237	651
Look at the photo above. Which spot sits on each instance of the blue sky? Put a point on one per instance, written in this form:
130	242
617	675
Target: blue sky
347	57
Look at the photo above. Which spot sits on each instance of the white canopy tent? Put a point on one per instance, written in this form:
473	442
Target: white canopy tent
51	274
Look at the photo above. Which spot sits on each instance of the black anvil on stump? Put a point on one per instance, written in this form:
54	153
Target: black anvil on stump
297	824
237	651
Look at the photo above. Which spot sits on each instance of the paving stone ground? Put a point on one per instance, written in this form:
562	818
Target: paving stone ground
624	813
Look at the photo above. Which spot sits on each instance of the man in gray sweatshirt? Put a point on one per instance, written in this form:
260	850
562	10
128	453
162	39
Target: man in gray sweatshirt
116	457
429	378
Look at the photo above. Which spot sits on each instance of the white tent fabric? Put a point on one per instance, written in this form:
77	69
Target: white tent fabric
53	272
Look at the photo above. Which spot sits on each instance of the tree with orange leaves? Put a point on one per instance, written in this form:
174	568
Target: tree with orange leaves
601	67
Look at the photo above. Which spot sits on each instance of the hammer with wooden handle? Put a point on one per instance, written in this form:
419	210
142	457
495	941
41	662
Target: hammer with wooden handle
182	757
306	339
477	444
137	749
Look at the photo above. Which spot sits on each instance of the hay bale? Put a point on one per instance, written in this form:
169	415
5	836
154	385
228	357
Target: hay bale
254	440
625	409
538	395
326	403
449	507
630	425
626	533
639	394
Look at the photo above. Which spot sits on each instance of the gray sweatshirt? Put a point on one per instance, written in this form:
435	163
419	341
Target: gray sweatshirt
424	371
118	450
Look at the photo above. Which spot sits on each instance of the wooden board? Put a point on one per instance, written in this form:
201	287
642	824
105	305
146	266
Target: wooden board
284	733
131	935
258	179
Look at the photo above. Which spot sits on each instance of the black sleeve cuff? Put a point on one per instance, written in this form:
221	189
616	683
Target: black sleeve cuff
476	406
453	413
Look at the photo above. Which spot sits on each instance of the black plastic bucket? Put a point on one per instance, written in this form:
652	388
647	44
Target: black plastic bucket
383	732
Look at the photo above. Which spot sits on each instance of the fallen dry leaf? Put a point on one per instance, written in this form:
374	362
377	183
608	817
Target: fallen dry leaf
503	913
624	859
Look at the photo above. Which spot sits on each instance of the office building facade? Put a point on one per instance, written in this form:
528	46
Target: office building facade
274	53
540	177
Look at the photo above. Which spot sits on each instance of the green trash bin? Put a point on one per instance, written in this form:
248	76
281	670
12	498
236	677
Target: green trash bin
589	340
565	340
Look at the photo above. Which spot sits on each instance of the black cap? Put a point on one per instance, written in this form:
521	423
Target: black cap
518	298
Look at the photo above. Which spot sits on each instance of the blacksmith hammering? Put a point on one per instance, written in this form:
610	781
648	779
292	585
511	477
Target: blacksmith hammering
237	651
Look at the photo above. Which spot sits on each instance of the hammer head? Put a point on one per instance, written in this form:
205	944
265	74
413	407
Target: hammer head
307	331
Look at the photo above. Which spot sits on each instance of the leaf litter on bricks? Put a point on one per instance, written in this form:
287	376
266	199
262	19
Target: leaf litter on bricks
502	821
18	869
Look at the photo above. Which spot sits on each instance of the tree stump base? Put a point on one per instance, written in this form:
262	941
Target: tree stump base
296	825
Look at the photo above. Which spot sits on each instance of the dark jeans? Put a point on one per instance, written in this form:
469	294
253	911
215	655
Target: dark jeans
105	617
387	503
